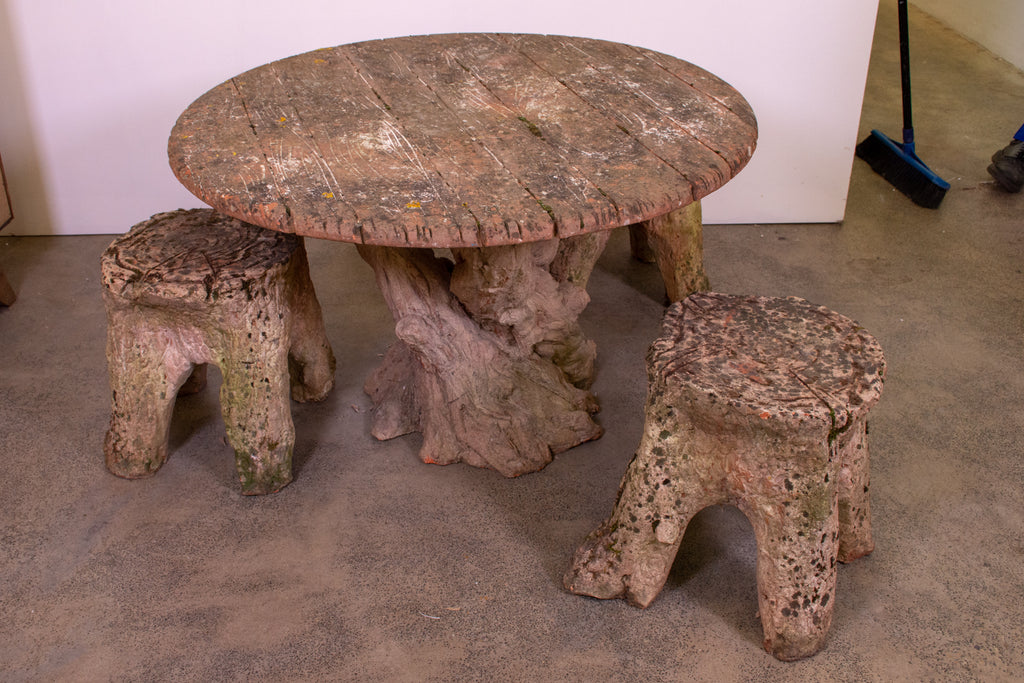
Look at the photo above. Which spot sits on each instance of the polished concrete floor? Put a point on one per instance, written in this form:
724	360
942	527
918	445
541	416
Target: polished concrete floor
373	566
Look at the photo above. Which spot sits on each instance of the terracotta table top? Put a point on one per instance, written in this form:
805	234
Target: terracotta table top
462	140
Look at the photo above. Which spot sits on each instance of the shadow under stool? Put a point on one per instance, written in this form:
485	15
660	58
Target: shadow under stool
192	287
760	403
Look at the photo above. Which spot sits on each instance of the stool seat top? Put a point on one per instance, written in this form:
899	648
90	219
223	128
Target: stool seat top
195	253
771	358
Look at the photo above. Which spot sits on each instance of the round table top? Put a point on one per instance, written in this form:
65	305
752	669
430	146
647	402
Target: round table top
462	140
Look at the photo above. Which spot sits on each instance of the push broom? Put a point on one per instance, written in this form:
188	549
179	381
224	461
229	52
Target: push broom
897	162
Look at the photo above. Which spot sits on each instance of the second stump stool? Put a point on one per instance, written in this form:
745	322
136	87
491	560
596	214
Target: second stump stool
760	403
191	287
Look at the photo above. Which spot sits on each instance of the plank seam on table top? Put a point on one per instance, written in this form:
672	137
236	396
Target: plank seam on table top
517	112
364	71
392	131
445	100
628	88
536	133
311	142
252	127
588	101
476	141
622	216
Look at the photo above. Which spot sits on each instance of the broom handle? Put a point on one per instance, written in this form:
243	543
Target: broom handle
908	117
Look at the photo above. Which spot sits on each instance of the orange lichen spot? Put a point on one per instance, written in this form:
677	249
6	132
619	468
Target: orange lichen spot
749	370
412	205
283	119
328	195
319	61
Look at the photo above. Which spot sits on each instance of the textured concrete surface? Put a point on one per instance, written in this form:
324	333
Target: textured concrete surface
372	566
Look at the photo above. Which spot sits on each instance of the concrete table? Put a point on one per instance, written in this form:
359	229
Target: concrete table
515	155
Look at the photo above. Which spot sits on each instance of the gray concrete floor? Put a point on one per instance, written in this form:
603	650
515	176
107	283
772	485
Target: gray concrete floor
373	566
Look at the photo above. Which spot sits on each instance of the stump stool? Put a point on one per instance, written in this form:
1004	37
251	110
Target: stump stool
191	287
760	403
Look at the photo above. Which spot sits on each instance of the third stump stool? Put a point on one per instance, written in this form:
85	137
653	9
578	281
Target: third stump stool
760	403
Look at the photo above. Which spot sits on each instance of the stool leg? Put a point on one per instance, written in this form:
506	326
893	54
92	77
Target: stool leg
312	361
855	539
797	540
255	403
146	369
675	240
631	554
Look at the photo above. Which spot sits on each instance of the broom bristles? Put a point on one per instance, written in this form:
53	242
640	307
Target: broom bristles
903	169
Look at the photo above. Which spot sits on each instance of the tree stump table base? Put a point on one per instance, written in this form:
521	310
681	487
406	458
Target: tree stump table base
759	403
187	288
491	365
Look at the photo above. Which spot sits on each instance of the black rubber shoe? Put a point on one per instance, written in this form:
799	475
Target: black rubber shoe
1007	166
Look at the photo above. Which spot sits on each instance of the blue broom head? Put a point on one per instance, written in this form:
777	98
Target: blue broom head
899	164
